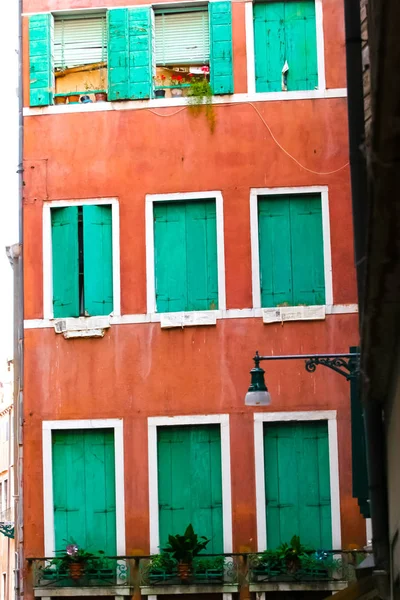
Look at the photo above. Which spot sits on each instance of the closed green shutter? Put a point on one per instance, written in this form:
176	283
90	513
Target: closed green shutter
79	40
291	250
130	56
297	483
221	61
185	240
65	258
41	62
182	37
97	256
84	489
190	483
285	31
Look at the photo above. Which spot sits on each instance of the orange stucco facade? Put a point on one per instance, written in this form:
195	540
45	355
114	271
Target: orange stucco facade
138	370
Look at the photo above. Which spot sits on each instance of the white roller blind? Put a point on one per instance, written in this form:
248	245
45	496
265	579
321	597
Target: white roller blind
182	38
79	41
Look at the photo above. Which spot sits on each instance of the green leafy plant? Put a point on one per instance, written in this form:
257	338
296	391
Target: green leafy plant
200	96
215	563
162	562
183	548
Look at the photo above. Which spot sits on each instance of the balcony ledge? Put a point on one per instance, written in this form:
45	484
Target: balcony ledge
159	590
304	586
53	592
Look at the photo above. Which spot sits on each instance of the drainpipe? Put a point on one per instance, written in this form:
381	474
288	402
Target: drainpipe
373	422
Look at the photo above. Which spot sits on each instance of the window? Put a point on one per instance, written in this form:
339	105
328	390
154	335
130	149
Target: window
117	53
285	46
297	483
190	482
291	250
84	489
82	260
185	240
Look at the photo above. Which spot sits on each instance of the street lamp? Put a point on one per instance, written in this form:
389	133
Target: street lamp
344	364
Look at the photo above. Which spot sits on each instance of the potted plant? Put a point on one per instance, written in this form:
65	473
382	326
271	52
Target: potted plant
200	94
160	80
183	548
177	80
60	99
74	560
162	567
291	554
209	568
266	565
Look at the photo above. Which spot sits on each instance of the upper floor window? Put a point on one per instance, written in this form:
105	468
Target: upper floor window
82	260
125	51
285	46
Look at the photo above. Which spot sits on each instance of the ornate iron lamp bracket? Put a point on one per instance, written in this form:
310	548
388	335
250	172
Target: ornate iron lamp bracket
347	365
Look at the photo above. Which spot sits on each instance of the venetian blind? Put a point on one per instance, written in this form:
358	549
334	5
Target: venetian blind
79	40
182	38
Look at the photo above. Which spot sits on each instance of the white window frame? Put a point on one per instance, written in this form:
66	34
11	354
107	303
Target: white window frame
48	505
326	235
48	251
151	291
223	421
251	65
316	415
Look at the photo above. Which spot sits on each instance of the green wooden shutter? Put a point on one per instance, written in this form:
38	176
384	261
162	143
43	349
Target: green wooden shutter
221	61
79	40
182	37
170	256
118	54
275	251
41	62
130	56
65	258
185	239
297	483
84	489
269	45
285	31
190	482
97	257
307	250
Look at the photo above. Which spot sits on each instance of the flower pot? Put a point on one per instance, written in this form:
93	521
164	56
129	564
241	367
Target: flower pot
101	96
76	570
60	100
176	92
73	99
184	571
159	93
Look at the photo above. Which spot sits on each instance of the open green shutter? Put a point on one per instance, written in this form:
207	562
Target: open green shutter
201	251
269	45
65	258
141	25
41	61
275	253
307	250
170	256
190	482
97	257
301	45
221	67
84	489
118	54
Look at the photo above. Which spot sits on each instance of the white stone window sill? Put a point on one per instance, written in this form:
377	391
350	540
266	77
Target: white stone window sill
82	327
280	314
188	319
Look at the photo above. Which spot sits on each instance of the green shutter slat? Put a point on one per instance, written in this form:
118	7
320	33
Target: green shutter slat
65	259
118	54
285	31
201	252
301	45
190	482
221	55
84	489
269	45
307	250
141	34
170	256
275	251
79	40
41	61
182	38
97	257
297	485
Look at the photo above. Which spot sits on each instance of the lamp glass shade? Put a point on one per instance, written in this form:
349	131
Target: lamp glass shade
257	398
